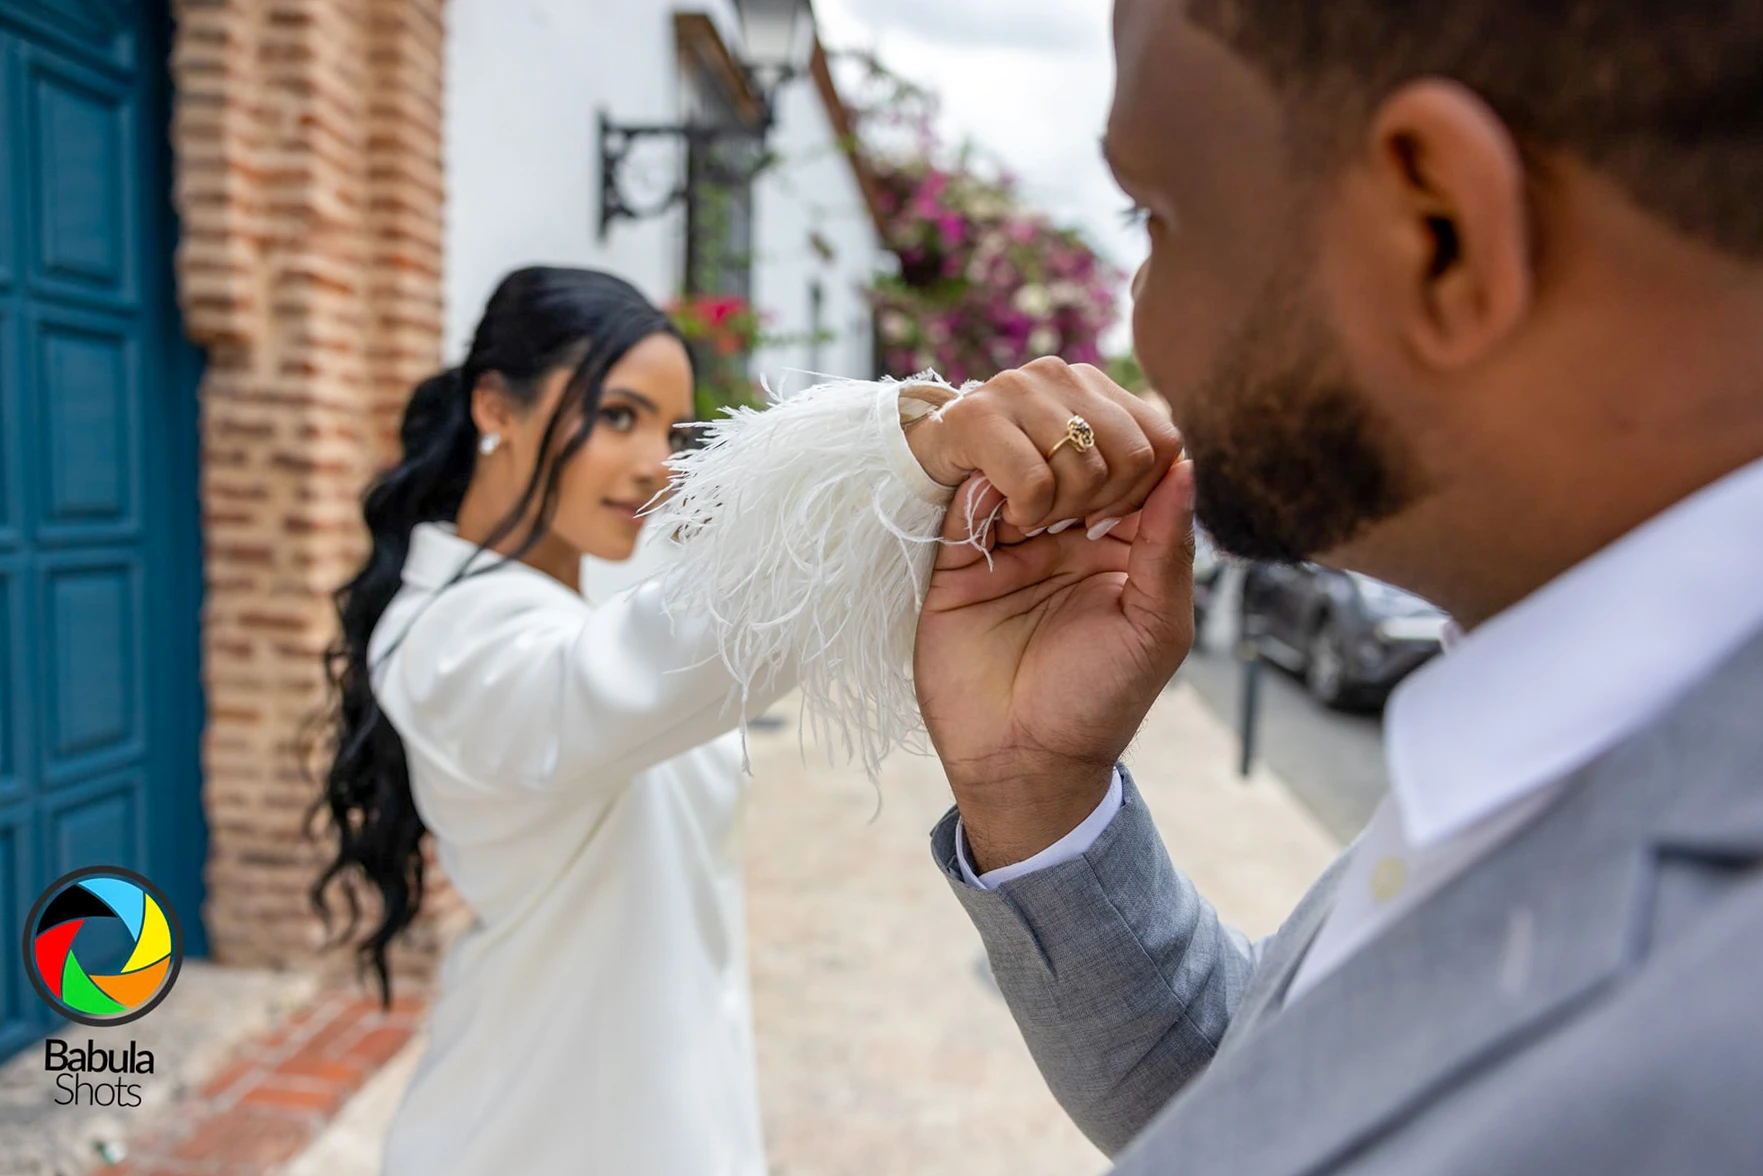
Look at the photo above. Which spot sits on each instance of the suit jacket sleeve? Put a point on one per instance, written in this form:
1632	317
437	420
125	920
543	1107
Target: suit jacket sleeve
1122	978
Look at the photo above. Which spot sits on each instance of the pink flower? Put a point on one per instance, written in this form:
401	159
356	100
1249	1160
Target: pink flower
984	280
1016	326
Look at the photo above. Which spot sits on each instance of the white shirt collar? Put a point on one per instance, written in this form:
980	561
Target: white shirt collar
1563	675
437	553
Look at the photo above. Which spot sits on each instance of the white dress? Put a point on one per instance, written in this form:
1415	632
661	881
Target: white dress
577	766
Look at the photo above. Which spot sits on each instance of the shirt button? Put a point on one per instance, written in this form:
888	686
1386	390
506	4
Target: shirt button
1388	878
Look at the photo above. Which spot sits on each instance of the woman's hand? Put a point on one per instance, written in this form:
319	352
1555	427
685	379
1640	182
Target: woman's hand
1034	667
1003	430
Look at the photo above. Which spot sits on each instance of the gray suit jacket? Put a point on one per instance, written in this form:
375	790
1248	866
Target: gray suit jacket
1589	998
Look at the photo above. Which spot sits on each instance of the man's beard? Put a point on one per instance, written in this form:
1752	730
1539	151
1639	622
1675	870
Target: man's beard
1291	459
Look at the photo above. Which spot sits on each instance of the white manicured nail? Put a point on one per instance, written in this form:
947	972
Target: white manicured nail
1033	533
1064	526
1103	527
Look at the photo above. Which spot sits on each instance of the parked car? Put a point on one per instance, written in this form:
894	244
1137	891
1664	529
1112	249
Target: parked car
1351	637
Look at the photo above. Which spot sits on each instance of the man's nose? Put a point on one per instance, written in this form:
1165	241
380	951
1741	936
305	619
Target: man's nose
1138	279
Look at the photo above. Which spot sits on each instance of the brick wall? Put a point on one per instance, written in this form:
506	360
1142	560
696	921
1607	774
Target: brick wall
307	135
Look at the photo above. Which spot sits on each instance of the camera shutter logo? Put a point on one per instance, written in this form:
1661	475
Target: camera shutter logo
102	945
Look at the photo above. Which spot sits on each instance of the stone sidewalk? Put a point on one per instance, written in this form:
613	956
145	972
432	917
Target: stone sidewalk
193	1036
884	1049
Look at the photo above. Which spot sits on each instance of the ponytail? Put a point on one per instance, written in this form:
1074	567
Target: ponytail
538	319
368	775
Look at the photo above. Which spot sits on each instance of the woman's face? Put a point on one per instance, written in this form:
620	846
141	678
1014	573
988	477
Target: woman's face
621	467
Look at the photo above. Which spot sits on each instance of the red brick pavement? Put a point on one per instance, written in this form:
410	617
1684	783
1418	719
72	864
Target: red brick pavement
277	1092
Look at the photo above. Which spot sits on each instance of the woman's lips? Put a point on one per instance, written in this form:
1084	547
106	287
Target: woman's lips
627	510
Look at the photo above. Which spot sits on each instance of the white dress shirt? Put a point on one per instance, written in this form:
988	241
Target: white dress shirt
1073	845
1479	741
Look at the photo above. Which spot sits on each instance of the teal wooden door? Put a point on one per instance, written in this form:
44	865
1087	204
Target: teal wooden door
100	574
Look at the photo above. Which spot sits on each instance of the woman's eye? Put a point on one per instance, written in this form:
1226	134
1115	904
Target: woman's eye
680	440
1136	217
619	417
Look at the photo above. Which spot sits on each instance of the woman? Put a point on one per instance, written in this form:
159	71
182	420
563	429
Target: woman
572	760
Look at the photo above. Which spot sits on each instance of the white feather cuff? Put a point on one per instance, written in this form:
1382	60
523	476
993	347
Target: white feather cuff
807	535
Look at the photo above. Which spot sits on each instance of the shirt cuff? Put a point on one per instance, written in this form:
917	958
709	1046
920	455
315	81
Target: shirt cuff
1073	845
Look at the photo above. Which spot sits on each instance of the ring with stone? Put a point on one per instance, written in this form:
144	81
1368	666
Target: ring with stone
1078	435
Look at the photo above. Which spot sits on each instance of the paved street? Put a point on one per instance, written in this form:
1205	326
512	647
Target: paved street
883	1048
191	1037
1331	760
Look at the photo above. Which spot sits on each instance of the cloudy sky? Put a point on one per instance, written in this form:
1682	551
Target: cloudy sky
1028	80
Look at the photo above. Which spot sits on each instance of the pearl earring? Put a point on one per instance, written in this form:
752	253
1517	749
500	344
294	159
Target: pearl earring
488	443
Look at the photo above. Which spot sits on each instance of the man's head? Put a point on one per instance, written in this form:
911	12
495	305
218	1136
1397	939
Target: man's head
1439	284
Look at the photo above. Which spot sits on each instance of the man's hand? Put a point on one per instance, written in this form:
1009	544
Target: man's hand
1004	429
1034	674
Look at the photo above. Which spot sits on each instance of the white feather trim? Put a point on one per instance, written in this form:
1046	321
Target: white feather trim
808	532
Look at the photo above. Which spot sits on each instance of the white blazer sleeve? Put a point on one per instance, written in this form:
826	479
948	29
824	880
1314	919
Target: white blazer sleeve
519	686
806	535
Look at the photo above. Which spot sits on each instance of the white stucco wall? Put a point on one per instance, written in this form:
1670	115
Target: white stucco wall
812	190
526	80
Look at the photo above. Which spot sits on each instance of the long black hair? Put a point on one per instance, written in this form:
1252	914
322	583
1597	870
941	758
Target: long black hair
538	319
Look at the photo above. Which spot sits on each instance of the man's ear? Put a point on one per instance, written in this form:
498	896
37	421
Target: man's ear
1452	179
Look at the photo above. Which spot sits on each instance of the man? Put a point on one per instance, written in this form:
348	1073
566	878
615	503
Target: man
1466	295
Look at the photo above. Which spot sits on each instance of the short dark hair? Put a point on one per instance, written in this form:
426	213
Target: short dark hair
1663	96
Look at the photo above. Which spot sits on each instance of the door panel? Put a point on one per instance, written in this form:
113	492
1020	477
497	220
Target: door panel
20	1007
92	708
8	184
80	161
1301	614
13	750
99	821
99	537
104	32
11	422
85	372
1278	584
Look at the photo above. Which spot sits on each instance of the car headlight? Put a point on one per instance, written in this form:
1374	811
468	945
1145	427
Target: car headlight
1412	629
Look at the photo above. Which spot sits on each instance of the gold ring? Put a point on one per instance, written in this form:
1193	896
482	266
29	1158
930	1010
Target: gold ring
1078	435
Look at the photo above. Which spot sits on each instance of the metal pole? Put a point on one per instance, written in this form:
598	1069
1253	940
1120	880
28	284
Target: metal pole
1249	652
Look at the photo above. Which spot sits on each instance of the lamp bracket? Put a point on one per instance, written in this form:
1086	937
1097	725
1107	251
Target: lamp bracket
617	141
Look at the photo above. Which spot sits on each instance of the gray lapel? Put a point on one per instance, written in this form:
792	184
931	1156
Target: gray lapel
1282	954
1524	939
